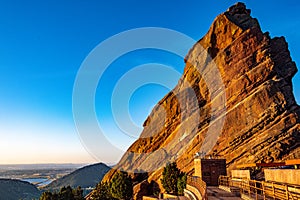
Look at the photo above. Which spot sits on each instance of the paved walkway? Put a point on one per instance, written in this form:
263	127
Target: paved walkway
214	193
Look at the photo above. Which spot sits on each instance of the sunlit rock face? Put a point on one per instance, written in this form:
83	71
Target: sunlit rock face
260	115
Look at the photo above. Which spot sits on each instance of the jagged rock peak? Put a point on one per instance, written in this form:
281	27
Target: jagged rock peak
227	27
240	15
238	8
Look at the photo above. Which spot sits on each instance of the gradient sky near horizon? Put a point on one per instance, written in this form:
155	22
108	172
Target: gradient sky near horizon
43	43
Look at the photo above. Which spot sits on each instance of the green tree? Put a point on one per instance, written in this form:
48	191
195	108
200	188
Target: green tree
121	186
65	193
181	183
78	193
173	180
169	178
47	196
102	192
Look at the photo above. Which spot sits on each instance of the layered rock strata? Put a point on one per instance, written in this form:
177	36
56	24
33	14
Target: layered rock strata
260	117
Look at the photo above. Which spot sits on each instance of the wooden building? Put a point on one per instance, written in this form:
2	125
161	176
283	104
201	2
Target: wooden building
209	170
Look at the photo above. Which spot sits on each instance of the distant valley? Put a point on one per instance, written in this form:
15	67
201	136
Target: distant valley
38	174
29	181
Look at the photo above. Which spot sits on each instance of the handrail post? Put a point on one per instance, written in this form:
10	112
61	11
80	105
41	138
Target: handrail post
249	186
255	185
263	190
273	189
287	192
243	186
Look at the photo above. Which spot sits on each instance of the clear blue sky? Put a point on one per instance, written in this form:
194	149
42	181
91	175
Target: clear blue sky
43	43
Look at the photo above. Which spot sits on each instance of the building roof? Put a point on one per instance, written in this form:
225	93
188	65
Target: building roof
276	164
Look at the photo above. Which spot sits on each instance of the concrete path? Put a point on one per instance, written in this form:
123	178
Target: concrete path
214	193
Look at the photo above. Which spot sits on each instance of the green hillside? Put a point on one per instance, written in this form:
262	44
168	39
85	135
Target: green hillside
11	189
85	177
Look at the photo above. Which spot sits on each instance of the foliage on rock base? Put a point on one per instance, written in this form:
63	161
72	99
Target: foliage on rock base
173	180
120	187
102	192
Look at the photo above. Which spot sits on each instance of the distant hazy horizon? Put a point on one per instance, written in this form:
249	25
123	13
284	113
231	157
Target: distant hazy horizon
46	165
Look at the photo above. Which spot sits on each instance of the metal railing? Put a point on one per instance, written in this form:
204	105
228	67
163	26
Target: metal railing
199	184
262	190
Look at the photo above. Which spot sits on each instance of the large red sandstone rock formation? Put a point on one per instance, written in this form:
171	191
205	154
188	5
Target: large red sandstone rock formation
261	121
